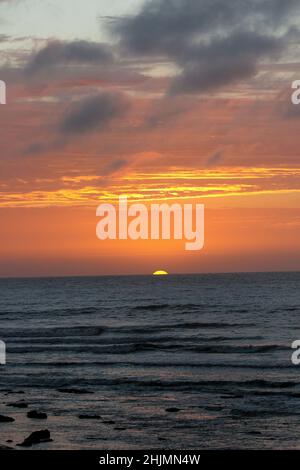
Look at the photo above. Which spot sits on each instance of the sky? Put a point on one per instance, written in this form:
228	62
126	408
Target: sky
159	100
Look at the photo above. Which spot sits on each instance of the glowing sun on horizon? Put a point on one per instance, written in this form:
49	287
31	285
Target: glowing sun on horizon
160	273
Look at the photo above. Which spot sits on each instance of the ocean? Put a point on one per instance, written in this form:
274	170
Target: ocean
173	362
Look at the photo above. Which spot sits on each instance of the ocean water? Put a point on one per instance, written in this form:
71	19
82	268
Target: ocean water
177	362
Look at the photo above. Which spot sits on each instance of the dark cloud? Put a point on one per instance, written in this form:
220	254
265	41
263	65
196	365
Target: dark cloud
167	111
223	61
34	148
288	110
38	148
62	53
4	37
212	42
215	159
114	166
94	112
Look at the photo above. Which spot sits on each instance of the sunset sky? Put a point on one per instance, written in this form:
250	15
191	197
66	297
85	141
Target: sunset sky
164	100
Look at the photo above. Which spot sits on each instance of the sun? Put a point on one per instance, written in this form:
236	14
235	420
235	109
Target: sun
160	273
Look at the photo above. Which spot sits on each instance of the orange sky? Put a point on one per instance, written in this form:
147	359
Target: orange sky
234	149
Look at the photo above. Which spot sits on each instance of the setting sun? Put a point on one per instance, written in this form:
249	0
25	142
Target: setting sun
160	273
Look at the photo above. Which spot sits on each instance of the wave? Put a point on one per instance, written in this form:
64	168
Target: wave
255	383
229	349
82	330
120	339
57	332
257	413
58	381
65	310
81	362
153	307
180	326
128	348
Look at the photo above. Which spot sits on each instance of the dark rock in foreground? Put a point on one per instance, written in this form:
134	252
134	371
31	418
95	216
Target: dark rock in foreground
36	415
172	410
36	437
6	419
77	391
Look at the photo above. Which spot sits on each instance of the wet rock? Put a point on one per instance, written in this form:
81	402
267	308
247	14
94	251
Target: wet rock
36	415
36	437
172	410
6	419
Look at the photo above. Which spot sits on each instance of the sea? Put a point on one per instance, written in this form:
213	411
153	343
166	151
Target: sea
143	362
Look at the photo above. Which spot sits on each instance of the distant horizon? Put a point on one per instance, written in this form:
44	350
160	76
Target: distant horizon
115	102
86	276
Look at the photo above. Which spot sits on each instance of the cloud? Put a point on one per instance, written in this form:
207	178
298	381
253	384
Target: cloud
167	111
215	159
114	166
223	61
94	112
4	37
62	53
38	148
212	43
90	114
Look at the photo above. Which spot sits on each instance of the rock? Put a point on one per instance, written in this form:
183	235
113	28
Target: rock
6	419
36	437
89	417
172	410
9	441
36	415
109	422
19	404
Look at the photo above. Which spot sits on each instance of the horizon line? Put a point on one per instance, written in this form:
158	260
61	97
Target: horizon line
87	276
